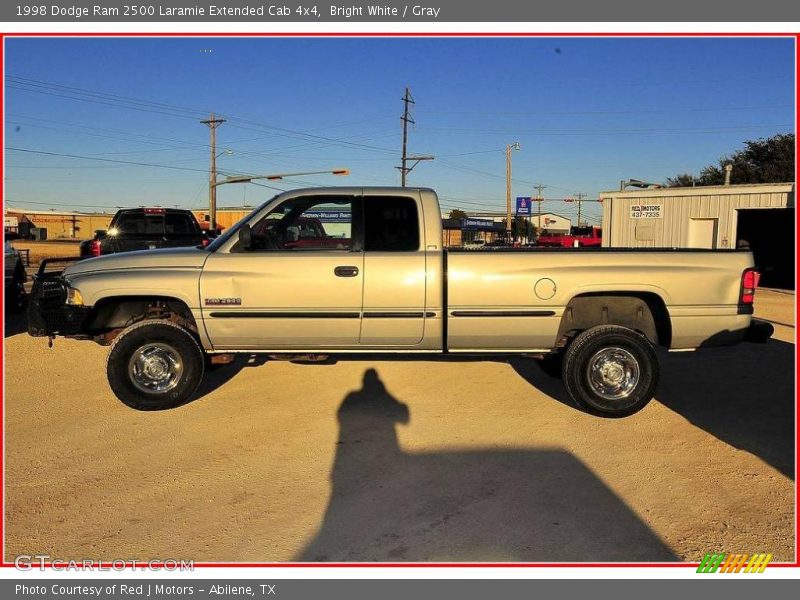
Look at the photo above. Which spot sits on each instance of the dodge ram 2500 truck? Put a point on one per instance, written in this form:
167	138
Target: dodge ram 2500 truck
387	286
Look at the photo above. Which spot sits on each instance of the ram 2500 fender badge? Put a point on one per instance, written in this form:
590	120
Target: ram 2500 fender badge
223	301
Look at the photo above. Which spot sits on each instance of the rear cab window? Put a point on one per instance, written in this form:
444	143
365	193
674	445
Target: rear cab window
155	222
391	224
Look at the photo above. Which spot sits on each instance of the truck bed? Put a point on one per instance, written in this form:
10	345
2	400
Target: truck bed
507	299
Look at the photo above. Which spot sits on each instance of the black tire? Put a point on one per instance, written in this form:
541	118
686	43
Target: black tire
552	364
611	371
178	354
15	298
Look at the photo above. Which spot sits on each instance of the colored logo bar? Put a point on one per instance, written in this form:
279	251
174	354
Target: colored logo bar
734	563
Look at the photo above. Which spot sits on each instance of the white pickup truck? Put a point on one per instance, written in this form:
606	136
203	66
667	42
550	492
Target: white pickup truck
363	270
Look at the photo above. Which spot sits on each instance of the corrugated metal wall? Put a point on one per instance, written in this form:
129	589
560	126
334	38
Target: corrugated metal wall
679	208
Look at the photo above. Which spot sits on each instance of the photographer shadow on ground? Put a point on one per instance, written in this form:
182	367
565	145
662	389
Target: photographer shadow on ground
464	505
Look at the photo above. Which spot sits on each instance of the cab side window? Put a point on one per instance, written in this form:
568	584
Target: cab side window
391	224
302	224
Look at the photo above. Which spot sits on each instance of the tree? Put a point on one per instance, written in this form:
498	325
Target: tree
769	160
682	180
522	228
457	214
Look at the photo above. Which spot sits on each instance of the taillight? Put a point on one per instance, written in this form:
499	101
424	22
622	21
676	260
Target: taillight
205	242
95	249
750	279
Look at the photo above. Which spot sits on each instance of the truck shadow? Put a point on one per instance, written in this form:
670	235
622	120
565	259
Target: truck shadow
464	505
743	395
216	377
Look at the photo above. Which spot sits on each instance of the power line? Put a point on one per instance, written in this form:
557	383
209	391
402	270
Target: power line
119	101
88	95
99	135
592	132
471	170
123	162
607	112
95	158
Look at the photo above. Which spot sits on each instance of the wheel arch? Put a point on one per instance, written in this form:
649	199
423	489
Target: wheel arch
113	313
642	311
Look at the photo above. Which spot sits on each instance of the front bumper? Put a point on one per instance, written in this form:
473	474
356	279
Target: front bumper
48	311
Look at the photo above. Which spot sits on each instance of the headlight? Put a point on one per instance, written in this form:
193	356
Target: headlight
74	297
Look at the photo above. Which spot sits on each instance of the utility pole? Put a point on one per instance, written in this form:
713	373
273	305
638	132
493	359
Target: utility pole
406	119
74	219
579	196
539	200
509	148
213	123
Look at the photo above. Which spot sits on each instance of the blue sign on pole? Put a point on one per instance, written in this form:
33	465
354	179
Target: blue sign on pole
524	205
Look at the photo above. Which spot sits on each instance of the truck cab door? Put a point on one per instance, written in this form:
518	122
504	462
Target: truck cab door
298	286
394	271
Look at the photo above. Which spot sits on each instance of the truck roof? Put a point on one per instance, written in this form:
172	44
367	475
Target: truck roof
356	190
154	209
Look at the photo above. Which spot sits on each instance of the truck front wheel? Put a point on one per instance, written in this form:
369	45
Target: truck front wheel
611	371
155	365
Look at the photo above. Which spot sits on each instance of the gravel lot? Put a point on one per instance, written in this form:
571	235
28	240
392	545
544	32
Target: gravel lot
406	460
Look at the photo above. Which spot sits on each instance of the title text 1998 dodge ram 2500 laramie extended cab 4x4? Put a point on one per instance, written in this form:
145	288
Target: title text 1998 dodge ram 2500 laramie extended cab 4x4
379	281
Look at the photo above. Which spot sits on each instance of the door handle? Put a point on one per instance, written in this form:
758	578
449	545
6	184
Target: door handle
345	271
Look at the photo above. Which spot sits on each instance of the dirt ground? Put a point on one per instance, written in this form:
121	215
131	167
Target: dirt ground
47	249
405	460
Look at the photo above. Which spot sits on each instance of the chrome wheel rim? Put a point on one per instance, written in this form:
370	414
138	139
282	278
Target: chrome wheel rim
155	368
613	373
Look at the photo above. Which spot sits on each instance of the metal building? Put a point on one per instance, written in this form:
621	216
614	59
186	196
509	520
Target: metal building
755	216
53	224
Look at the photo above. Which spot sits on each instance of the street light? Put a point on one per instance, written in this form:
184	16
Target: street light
250	178
509	148
278	176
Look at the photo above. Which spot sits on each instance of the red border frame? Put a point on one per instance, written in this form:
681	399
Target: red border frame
107	565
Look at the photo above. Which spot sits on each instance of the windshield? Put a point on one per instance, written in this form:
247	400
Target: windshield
231	231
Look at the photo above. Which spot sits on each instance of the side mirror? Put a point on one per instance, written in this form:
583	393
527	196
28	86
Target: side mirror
100	234
245	236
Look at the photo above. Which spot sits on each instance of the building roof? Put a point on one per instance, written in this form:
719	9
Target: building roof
705	190
57	213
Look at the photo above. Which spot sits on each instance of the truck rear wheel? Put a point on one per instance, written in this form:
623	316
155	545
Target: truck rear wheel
611	371
155	365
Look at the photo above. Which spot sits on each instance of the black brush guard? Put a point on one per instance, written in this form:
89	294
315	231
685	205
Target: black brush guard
48	311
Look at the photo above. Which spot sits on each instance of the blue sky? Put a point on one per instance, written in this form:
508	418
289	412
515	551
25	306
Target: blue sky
587	112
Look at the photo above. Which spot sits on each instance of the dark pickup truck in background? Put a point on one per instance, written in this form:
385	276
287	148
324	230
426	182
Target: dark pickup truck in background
145	229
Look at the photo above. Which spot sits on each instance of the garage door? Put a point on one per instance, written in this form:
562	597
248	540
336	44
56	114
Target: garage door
769	233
